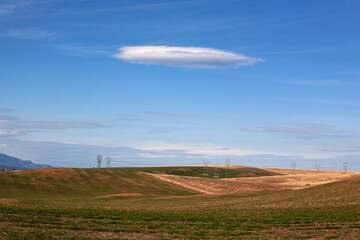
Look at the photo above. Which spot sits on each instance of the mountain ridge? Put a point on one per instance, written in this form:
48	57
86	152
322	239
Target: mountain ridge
10	162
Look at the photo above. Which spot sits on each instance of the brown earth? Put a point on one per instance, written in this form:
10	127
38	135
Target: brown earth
294	179
119	195
8	200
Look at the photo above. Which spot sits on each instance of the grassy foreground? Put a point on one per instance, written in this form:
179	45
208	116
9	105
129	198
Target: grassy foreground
322	212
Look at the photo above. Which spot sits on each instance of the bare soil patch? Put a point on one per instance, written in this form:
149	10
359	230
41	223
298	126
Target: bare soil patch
119	195
8	200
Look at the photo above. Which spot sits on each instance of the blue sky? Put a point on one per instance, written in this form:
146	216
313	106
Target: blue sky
263	83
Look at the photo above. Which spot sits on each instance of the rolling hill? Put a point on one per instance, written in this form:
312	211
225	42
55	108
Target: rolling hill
94	182
158	181
179	203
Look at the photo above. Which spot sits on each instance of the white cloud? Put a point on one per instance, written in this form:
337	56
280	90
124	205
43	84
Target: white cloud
11	132
192	57
201	150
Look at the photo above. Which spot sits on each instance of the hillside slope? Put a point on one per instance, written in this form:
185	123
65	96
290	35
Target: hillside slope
7	161
343	192
171	181
80	182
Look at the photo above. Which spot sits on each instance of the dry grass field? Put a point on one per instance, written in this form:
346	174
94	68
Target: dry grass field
289	179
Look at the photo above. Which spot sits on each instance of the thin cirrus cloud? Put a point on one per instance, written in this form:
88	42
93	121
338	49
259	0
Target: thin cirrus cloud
47	125
30	33
171	114
130	117
304	128
5	110
7	118
189	57
9	128
315	83
342	149
11	132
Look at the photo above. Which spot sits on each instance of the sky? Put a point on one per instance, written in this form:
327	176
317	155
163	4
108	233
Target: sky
262	83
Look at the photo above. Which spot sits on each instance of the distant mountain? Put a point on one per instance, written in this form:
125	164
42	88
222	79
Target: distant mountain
13	162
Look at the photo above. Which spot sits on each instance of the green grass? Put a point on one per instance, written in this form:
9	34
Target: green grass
215	222
191	171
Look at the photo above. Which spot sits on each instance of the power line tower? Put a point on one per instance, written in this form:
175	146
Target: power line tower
206	172
293	165
317	167
108	162
345	164
227	167
99	158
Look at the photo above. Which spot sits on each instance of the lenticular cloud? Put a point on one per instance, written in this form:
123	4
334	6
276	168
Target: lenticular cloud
193	57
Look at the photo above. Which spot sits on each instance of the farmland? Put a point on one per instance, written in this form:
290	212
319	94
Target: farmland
170	203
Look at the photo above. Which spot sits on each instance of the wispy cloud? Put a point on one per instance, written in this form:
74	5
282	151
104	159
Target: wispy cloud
7	118
86	50
11	132
300	51
6	8
171	114
342	149
47	125
138	7
5	110
157	153
131	118
306	131
12	126
30	33
304	128
13	6
350	73
201	150
315	83
9	6
155	130
190	57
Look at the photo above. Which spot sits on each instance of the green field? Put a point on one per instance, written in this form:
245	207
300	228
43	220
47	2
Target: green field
61	204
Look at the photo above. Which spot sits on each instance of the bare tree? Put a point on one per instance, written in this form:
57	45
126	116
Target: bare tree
293	165
345	164
108	162
227	161
206	172
99	158
317	166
